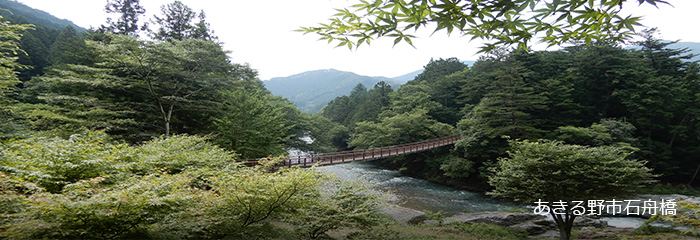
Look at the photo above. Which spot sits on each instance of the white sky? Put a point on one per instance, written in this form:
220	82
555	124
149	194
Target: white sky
262	34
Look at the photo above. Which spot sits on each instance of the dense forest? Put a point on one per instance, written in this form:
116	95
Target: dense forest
644	99
129	131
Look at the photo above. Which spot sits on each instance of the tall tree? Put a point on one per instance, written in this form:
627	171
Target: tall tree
71	98
128	21
177	22
10	35
181	77
35	56
70	48
251	126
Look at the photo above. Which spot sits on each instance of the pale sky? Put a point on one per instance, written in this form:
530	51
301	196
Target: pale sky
261	33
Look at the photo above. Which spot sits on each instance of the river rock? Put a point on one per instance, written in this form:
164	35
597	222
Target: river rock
399	213
505	219
591	233
534	224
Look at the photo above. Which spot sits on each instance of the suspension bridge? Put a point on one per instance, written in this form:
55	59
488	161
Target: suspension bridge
322	159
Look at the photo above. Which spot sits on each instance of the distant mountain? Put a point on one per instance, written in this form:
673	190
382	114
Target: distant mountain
312	90
406	77
21	13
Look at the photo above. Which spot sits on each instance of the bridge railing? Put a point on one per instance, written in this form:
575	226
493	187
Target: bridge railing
363	154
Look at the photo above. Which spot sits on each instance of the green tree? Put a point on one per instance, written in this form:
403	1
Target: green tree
70	48
551	172
181	77
327	135
251	126
408	127
505	109
503	22
607	132
437	69
71	98
177	22
128	21
10	35
35	57
346	204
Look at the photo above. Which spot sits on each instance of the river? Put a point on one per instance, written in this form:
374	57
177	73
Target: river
424	196
417	193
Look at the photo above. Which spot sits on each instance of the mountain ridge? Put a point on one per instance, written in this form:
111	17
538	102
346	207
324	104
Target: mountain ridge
17	10
311	90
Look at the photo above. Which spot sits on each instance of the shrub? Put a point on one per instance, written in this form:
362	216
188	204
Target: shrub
345	204
178	153
53	163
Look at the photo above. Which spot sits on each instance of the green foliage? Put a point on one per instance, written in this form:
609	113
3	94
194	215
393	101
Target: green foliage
408	127
178	154
607	132
87	210
21	14
551	171
71	98
127	22
327	136
456	167
580	172
174	83
53	163
10	34
502	22
177	22
70	48
683	223
180	187
251	126
35	55
344	204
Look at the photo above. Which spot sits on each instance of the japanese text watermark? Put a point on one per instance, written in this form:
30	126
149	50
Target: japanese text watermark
611	207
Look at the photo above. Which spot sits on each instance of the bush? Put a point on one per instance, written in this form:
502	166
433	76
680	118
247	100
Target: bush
87	210
181	187
345	204
178	153
53	163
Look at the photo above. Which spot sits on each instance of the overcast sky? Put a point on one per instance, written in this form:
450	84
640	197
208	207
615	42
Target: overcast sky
261	33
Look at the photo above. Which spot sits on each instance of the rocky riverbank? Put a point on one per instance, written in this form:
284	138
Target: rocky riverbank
537	226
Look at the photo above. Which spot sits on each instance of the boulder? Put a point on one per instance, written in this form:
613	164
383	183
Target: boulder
505	219
401	214
534	224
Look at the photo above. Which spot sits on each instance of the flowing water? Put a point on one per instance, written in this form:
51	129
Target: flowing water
424	196
417	193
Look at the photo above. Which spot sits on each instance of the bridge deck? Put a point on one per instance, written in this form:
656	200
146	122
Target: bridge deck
323	159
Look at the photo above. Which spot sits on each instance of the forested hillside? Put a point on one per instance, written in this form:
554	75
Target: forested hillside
644	100
20	13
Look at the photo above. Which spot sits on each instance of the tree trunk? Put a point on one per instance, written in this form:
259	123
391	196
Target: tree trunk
564	223
694	175
167	118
